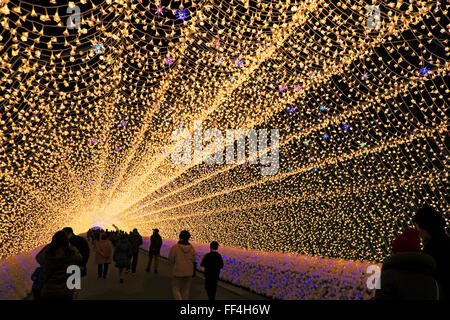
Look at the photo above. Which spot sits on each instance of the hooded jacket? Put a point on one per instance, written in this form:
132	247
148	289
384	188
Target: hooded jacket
182	257
103	252
155	244
55	272
135	241
122	254
408	276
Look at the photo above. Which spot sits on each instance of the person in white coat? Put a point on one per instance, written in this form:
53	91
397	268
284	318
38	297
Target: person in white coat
182	257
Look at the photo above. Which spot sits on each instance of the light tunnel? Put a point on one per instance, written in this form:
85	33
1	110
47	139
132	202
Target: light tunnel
130	115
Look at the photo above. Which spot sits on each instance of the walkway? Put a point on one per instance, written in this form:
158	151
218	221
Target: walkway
150	286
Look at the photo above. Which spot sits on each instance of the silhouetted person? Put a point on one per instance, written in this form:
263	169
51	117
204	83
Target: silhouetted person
212	262
182	257
115	238
431	227
154	250
55	258
38	281
408	273
122	255
83	247
90	236
103	255
135	241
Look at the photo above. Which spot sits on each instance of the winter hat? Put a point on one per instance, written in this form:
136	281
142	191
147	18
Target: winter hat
408	241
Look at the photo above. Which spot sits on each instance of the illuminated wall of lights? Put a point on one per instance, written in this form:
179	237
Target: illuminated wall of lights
88	107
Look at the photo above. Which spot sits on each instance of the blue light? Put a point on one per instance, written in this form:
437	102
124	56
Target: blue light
345	127
182	14
325	137
322	108
99	48
424	71
291	110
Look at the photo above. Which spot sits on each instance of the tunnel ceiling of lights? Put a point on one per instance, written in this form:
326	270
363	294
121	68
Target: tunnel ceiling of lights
87	116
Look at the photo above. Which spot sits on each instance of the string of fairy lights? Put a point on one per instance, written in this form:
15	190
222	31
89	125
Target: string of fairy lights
92	90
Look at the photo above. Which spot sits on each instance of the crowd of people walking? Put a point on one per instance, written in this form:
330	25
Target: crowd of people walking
417	269
122	249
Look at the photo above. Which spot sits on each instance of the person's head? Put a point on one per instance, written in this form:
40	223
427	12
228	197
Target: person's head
214	246
155	231
429	223
59	240
68	231
185	235
408	241
135	230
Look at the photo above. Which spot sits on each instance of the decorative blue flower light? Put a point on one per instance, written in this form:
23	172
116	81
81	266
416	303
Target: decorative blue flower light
182	14
315	169
325	136
291	110
322	108
240	62
424	71
98	48
345	127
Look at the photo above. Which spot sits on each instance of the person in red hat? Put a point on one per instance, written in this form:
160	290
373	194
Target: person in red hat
408	273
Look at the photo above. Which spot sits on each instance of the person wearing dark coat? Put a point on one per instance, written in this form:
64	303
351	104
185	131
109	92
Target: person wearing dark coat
408	273
122	256
212	262
83	247
55	258
135	241
436	243
38	281
154	250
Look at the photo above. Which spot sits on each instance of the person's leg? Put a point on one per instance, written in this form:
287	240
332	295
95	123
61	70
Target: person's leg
156	262
149	264
134	264
186	286
121	274
208	288
99	270
214	289
105	270
176	288
36	294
